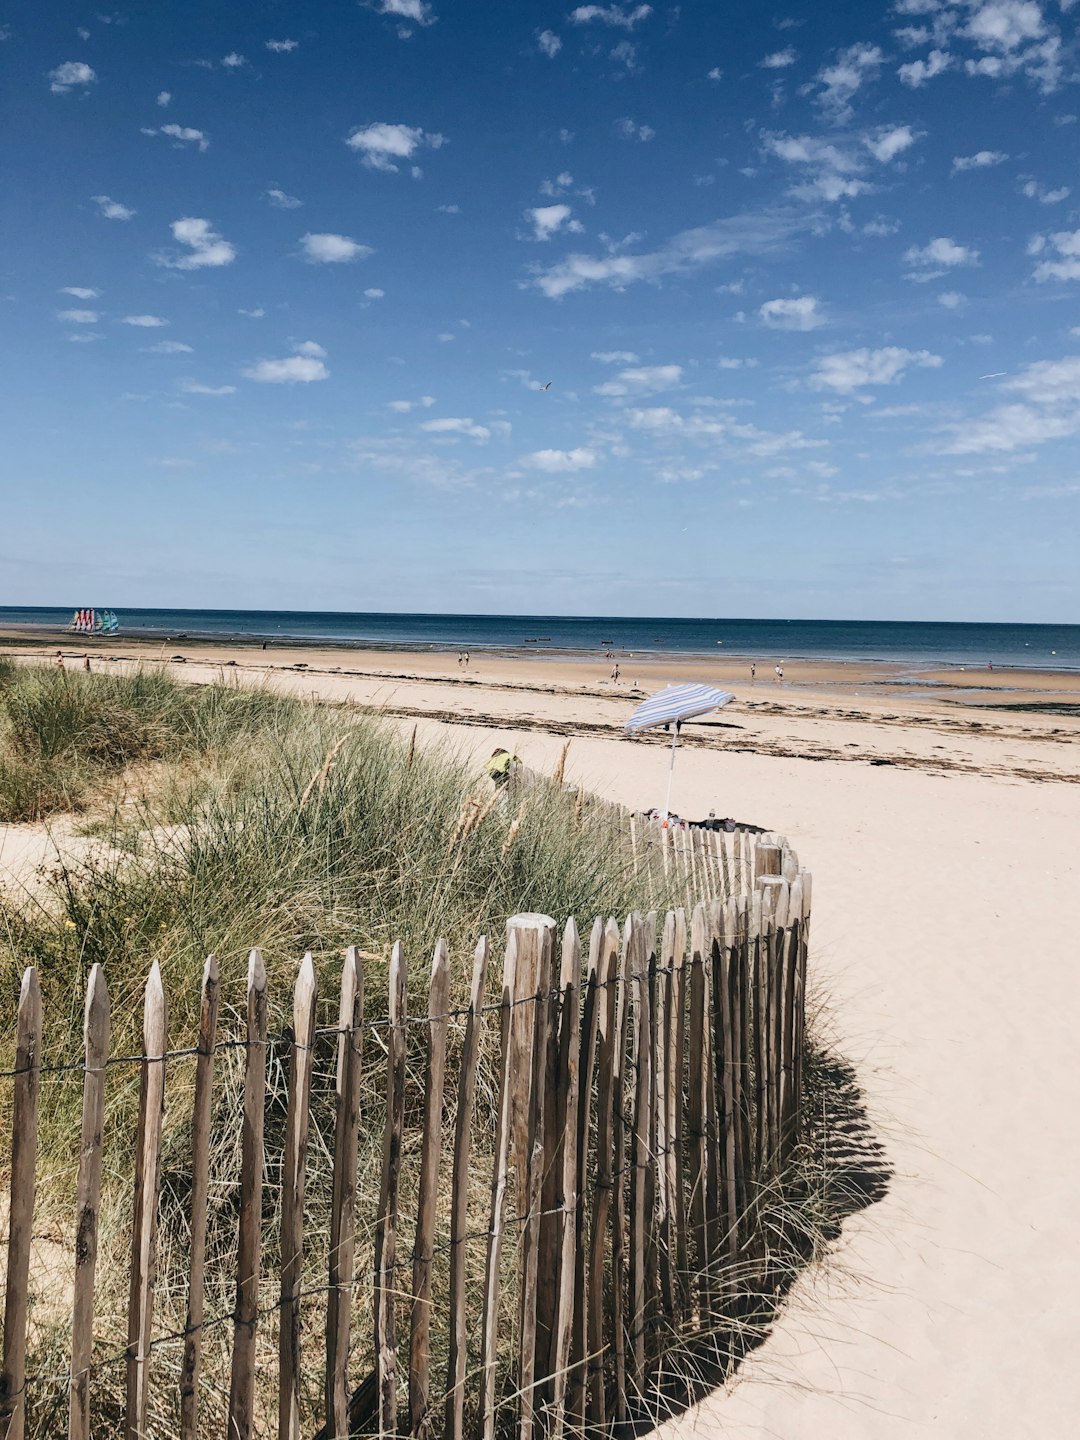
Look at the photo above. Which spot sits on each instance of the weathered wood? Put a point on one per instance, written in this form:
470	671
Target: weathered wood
191	1364
637	971
598	1335
454	1420
566	1161
702	940
575	1394
144	1223
664	1138
724	1068
24	1130
696	1138
87	1198
767	859
620	1412
246	1316
420	1423
521	1038
535	938
386	1226
788	1127
499	1181
343	1202
677	1119
293	1184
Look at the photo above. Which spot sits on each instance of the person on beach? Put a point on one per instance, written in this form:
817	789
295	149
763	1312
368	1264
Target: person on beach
86	662
498	767
59	659
753	671
779	674
465	659
615	673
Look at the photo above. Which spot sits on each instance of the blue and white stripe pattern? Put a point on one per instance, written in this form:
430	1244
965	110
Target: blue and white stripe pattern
676	703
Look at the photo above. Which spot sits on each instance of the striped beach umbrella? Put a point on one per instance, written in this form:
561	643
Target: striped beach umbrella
672	707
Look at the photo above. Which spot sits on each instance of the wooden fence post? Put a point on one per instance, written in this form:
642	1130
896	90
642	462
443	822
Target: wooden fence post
598	1335
535	948
293	1183
350	1052
696	1136
144	1223
386	1227
430	1156
619	1183
87	1199
575	1398
567	1192
191	1364
24	1129
242	1386
499	1179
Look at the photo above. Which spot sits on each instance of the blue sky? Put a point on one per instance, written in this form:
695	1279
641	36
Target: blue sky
281	284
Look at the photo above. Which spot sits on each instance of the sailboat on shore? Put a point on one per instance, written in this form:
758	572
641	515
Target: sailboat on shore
94	622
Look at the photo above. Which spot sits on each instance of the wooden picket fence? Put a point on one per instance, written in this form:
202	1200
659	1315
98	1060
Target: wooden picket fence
649	1097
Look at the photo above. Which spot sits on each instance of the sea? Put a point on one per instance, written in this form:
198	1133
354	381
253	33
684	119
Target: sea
914	644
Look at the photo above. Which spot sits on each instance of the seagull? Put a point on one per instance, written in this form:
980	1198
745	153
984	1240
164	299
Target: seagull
994	375
547	386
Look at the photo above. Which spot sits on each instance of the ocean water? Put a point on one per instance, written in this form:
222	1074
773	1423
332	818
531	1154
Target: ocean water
913	643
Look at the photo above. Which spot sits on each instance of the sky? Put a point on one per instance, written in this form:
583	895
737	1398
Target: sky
454	305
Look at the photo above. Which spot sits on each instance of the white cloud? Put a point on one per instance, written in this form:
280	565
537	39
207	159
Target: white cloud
559	462
83	338
918	72
1047	407
80	292
144	322
233	61
952	299
1036	191
283	201
404	406
457	425
800	313
981	160
1066	245
1015	39
752	233
548	220
839	82
418	11
69	75
333	249
379	145
112	209
1005	24
630	130
300	368
549	43
206	248
641	380
169	347
184	135
889	142
615	357
256	314
78	317
164	96
448	209
194	387
715	73
374	293
282	47
848	371
779	59
622	16
939	255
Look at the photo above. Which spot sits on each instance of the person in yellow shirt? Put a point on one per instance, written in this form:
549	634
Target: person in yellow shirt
498	767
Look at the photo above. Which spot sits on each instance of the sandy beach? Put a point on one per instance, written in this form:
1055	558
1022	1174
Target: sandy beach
941	831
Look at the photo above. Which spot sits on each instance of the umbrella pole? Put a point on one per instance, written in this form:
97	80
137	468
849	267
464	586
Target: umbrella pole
671	771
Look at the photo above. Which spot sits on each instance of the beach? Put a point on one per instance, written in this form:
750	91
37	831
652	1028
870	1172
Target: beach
939	821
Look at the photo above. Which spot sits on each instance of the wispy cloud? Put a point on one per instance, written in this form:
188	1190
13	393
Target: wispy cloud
802	312
641	380
853	68
78	317
558	462
71	75
333	249
196	387
779	59
549	220
381	145
282	47
548	43
164	96
206	248
1043	404
917	73
457	425
981	160
144	322
937	256
623	17
848	371
1061	255
628	129
283	201
112	209
419	12
80	292
169	347
756	233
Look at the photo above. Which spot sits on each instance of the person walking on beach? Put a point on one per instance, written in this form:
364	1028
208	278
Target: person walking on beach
465	657
59	659
615	673
779	674
753	671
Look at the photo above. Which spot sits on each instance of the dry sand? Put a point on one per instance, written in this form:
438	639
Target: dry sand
944	846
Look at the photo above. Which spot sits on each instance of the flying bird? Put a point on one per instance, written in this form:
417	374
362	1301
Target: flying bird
547	386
